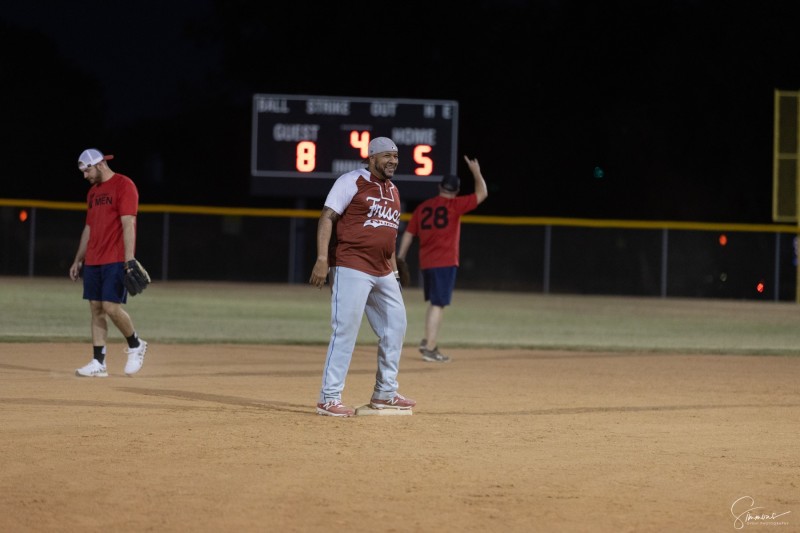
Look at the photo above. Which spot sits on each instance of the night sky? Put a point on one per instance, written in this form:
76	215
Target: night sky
674	103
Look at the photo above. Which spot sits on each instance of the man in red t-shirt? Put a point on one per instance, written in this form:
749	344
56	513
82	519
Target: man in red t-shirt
107	243
437	223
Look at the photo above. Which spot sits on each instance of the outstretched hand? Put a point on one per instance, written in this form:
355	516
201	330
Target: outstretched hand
481	191
473	165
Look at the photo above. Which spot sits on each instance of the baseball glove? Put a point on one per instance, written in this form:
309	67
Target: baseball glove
136	277
403	273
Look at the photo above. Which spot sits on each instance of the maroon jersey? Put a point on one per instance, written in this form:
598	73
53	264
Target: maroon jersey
366	233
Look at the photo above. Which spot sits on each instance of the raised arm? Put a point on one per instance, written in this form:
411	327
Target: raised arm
480	184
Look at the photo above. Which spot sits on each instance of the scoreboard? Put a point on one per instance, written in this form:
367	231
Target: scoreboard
300	144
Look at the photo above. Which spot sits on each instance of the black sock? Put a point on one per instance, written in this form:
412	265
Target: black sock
133	340
100	354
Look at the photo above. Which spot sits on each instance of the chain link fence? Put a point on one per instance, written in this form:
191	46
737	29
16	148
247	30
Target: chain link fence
565	256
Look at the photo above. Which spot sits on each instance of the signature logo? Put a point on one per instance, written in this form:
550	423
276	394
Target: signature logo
381	215
745	512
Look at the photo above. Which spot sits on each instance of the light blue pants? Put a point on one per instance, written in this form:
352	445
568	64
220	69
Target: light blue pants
354	293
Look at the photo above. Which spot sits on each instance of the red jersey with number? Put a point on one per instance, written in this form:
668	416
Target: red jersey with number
106	203
366	233
437	224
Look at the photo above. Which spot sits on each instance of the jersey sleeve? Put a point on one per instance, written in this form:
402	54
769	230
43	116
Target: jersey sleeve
128	199
342	192
465	204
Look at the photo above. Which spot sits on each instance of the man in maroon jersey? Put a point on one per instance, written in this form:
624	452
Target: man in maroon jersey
437	223
356	241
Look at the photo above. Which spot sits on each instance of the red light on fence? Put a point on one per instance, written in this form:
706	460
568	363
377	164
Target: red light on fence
760	286
23	215
723	239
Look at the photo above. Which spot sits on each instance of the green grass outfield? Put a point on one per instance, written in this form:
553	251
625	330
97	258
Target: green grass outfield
52	310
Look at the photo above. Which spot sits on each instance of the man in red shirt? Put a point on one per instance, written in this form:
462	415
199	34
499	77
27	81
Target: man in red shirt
107	243
437	223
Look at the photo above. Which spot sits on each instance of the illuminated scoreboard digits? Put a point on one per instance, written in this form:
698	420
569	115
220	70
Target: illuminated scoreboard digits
297	137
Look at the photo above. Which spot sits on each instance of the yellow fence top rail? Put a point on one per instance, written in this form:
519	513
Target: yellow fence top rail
467	219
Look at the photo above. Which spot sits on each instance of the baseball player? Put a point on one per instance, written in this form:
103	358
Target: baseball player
437	223
107	243
356	239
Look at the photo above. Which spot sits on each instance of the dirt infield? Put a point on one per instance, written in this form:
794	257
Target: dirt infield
224	438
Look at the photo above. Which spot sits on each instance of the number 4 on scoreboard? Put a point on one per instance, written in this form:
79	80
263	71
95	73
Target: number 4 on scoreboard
360	141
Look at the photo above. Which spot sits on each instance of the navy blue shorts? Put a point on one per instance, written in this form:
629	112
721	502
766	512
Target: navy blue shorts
438	284
105	283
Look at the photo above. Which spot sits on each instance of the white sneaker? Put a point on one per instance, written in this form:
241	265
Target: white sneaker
95	369
135	358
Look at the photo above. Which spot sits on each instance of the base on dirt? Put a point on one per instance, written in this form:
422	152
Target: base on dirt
365	409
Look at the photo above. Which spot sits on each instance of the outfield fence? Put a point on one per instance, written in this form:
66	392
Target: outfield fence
538	254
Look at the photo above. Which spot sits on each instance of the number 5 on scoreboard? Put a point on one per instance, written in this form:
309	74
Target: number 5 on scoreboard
425	162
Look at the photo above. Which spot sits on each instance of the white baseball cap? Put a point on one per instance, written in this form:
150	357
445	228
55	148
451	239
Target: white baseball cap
91	156
381	144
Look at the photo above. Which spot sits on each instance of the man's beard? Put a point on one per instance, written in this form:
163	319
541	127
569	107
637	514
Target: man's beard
382	172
